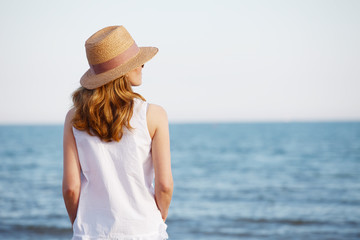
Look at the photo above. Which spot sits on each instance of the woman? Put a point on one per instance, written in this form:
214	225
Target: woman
115	144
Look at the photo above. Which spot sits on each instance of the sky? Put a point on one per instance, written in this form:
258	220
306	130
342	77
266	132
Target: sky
218	61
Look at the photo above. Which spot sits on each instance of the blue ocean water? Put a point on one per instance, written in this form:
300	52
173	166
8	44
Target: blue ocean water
232	181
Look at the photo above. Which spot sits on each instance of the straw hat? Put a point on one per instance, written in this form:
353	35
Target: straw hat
111	53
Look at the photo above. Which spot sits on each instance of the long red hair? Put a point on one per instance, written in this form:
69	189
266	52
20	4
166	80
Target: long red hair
106	110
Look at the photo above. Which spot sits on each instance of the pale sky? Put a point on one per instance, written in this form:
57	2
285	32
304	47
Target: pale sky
217	61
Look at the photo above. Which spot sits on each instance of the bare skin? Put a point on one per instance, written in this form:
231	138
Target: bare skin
159	131
71	175
157	123
135	76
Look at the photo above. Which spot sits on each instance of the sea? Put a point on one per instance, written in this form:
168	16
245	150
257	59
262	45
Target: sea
249	180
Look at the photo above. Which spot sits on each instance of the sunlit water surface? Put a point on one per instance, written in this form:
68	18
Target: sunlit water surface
232	181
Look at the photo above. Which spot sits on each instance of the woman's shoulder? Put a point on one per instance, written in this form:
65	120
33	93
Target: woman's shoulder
156	111
156	118
70	115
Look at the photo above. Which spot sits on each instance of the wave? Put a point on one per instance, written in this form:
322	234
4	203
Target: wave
295	222
35	229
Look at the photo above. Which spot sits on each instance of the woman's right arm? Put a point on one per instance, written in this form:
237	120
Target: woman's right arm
71	175
159	131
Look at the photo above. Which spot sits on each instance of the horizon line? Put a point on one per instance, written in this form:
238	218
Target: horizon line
203	122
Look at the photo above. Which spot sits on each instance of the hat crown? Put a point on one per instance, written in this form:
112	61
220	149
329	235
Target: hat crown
107	43
111	53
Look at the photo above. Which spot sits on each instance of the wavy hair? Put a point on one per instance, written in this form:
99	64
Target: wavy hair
106	110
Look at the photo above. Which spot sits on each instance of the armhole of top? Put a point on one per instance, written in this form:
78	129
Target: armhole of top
146	122
73	130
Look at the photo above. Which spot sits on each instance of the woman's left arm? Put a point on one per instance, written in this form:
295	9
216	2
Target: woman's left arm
71	175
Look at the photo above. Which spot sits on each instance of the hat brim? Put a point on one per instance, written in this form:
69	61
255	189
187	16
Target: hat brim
90	80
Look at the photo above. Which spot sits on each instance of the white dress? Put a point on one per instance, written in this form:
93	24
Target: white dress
117	192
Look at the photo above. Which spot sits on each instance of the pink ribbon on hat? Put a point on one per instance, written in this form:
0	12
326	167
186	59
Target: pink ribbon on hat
116	61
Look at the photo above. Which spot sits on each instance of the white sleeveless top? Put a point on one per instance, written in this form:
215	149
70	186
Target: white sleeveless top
117	192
